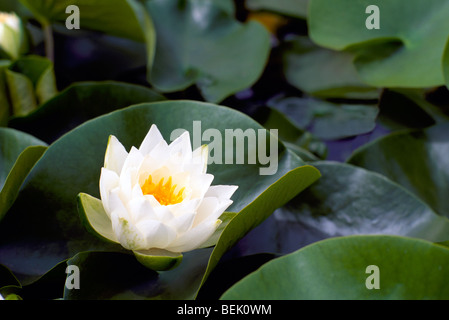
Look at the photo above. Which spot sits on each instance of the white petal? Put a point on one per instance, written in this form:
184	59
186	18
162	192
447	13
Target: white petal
200	184
205	210
115	155
148	166
180	150
222	192
133	160
211	209
157	234
153	138
129	174
183	222
199	160
126	183
185	206
126	232
152	200
140	209
108	180
195	237
164	214
115	203
136	191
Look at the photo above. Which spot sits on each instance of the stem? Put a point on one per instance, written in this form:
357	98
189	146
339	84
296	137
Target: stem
49	42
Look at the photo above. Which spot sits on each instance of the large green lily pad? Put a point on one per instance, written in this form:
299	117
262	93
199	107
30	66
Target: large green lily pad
407	49
199	42
341	269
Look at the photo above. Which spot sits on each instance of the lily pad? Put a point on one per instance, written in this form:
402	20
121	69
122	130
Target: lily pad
322	72
327	120
406	50
120	18
199	42
18	154
415	159
338	269
302	142
116	17
78	103
349	200
295	9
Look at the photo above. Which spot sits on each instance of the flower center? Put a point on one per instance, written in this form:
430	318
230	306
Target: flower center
164	193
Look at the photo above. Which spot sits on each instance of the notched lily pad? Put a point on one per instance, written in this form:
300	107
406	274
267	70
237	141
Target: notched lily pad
406	51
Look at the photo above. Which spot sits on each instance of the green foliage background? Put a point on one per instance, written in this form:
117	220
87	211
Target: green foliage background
362	120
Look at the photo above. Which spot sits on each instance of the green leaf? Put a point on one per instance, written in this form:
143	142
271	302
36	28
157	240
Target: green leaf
415	159
446	64
115	17
81	102
258	210
419	98
296	8
200	43
404	110
31	82
349	200
13	6
48	198
112	275
121	18
21	91
298	140
322	72
6	108
407	49
94	218
46	287
106	275
327	120
229	271
7	278
158	260
17	175
336	269
18	154
12	143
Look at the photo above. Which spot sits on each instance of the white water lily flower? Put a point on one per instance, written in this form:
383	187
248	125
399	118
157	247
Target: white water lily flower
10	34
159	197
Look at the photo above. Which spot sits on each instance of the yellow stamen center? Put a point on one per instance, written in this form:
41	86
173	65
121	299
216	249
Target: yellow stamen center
164	193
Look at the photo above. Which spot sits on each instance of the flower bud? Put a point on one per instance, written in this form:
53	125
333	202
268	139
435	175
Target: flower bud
11	35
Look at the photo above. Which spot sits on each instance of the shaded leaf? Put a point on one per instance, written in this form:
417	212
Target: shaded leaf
200	43
415	159
81	102
323	72
296	9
